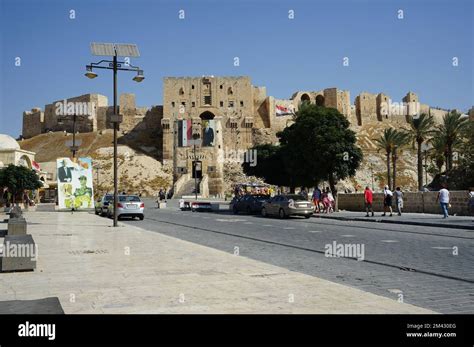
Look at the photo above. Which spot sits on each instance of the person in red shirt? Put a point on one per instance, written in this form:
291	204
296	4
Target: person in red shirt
368	196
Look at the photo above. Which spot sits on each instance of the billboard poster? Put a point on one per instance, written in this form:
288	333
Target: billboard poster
208	129
75	190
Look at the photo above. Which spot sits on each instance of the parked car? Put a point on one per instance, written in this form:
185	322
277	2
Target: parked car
128	206
288	205
102	205
249	203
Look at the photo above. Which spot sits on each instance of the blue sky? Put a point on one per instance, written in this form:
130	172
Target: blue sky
385	54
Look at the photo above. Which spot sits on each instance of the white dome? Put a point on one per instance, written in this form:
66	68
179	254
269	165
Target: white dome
8	142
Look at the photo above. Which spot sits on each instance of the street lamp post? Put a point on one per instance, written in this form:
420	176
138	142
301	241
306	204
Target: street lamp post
114	50
73	147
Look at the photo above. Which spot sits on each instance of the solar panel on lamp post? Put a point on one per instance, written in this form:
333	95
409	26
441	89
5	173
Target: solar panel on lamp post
115	50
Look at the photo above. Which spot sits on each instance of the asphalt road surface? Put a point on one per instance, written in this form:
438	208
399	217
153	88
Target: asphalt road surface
429	267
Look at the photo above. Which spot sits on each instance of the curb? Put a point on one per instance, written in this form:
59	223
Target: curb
375	220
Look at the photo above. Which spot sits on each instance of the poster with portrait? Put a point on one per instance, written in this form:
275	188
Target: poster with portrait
75	190
208	132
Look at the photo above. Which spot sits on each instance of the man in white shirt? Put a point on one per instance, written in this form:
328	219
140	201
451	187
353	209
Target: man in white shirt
443	198
387	201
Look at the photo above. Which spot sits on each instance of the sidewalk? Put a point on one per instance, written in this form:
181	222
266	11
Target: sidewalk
94	268
422	219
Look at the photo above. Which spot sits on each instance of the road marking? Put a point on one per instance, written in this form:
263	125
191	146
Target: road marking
314	231
389	241
288	228
231	220
438	247
347	235
267	225
206	217
248	223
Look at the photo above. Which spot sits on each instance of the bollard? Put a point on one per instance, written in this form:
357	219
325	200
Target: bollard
19	253
16	226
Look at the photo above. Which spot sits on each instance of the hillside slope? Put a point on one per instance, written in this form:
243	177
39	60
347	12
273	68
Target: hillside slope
139	170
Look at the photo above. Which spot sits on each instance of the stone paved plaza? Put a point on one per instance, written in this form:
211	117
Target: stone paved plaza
94	268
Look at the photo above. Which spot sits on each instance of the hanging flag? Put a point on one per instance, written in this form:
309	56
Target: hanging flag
184	132
35	166
282	110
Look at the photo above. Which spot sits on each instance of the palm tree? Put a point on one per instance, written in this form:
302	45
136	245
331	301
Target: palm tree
390	140
438	151
421	128
451	128
401	138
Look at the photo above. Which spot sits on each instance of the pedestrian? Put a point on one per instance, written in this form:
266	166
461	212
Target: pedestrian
443	198
26	200
399	200
316	199
387	201
368	198
332	201
304	193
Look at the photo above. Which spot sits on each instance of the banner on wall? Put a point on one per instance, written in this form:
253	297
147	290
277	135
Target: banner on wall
75	189
208	131
184	132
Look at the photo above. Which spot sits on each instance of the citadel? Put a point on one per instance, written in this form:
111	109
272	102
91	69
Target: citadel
226	113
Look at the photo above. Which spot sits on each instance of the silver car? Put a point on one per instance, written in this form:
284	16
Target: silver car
288	205
128	206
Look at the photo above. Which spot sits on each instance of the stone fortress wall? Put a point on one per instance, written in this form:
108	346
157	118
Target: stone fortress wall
238	109
92	115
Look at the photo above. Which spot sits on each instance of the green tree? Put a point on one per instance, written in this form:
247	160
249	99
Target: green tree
269	165
18	179
451	129
319	146
390	141
462	176
421	128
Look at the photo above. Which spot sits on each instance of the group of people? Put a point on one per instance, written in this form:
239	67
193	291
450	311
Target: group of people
27	197
442	198
388	196
241	190
323	200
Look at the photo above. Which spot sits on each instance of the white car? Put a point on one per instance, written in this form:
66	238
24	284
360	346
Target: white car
128	206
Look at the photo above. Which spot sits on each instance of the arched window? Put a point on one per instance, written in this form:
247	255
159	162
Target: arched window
320	100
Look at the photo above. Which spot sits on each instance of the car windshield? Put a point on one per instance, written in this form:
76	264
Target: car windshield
262	197
295	197
129	198
109	198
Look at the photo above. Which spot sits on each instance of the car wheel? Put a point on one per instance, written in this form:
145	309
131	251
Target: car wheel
264	212
281	213
96	213
307	217
141	217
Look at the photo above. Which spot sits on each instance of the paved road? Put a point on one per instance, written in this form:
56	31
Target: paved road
416	264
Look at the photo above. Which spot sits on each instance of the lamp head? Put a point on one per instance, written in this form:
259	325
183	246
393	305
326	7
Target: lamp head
139	77
90	74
